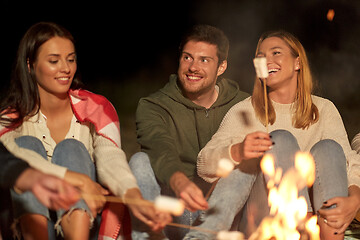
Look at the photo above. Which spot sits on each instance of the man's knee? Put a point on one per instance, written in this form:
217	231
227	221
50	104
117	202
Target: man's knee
139	160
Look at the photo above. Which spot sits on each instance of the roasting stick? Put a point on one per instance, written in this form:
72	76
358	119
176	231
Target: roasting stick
162	200
262	72
266	107
114	199
192	227
162	203
213	185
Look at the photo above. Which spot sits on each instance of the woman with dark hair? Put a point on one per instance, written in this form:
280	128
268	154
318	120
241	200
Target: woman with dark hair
297	121
66	131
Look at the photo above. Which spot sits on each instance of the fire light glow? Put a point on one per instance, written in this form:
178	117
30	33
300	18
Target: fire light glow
287	210
330	15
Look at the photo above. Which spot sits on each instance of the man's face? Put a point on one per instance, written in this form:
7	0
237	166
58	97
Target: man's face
199	68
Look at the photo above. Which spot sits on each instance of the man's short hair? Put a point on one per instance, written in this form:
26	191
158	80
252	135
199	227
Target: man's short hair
208	34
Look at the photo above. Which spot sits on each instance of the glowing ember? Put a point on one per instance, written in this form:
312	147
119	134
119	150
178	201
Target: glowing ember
287	210
330	15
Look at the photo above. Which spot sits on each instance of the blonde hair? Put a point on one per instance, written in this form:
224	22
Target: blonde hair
306	113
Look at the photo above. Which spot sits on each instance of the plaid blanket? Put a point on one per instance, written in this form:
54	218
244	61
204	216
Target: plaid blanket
90	107
96	109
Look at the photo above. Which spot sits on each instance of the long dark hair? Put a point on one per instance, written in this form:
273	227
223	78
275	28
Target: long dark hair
23	98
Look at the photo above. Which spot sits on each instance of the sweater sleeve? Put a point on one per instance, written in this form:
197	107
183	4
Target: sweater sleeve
11	168
355	143
220	144
112	167
34	159
155	140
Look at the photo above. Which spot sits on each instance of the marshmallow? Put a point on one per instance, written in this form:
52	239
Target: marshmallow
169	204
261	67
225	166
229	235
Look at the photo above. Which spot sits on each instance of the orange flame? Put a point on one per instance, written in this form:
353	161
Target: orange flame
313	229
287	209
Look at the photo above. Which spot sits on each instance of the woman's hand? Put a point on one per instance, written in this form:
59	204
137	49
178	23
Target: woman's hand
346	209
156	220
254	146
87	186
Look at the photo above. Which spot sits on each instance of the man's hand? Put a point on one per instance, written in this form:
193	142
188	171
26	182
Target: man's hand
188	191
254	146
51	191
155	219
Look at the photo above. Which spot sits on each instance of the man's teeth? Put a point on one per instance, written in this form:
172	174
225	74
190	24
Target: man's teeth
193	77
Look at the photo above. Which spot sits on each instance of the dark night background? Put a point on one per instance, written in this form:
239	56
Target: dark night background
127	49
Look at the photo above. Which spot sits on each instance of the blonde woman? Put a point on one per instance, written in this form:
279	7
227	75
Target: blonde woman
298	121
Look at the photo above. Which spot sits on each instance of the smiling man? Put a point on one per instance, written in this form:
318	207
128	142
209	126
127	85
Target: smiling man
176	122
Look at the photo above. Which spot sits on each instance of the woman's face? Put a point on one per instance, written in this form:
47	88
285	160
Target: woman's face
55	66
282	65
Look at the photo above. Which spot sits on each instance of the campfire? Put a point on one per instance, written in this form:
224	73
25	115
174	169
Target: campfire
288	211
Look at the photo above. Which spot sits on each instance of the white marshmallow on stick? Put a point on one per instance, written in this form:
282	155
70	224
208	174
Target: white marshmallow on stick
229	235
262	72
261	67
225	166
170	205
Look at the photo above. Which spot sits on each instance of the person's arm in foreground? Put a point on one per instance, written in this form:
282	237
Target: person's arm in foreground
51	191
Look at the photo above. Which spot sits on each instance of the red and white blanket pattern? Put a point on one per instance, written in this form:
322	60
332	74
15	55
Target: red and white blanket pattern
90	107
96	109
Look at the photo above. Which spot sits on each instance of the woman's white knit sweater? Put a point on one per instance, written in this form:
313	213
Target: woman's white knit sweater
234	128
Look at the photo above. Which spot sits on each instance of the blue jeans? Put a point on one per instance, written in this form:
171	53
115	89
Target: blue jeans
69	153
150	189
239	202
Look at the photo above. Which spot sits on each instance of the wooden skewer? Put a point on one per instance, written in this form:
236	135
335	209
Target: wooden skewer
266	106
192	227
213	185
133	201
140	202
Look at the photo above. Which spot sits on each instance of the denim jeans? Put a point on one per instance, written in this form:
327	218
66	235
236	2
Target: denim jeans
69	153
150	189
239	202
